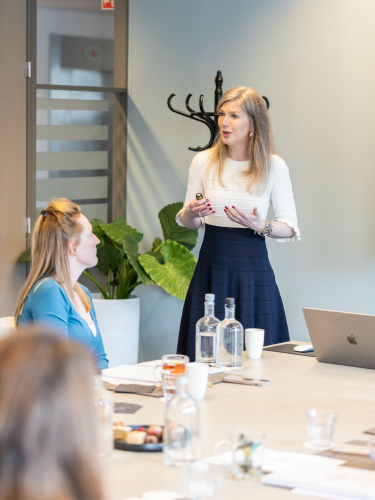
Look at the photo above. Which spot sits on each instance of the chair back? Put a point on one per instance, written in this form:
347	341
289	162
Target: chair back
7	326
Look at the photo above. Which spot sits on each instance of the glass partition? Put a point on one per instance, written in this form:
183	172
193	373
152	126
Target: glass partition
74	149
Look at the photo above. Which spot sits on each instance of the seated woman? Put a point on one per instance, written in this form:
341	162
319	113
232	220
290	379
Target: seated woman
47	426
63	246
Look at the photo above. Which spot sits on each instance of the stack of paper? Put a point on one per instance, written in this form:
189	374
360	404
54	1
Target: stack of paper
141	373
344	481
275	460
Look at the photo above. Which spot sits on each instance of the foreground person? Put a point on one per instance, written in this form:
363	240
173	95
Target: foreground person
47	433
63	247
240	177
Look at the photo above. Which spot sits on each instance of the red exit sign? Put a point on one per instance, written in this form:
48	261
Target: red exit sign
108	4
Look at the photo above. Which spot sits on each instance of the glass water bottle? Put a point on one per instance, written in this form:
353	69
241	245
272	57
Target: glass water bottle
229	339
104	414
181	430
206	335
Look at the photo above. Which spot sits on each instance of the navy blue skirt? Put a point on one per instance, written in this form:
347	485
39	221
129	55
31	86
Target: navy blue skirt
233	262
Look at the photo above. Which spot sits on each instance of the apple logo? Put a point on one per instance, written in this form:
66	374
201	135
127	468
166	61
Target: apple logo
352	340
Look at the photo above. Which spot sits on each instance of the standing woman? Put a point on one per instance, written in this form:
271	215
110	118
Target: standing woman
63	247
240	177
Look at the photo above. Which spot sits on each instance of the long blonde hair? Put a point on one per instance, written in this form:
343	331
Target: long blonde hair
54	229
261	144
47	426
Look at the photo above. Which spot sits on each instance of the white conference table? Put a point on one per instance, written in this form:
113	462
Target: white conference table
298	383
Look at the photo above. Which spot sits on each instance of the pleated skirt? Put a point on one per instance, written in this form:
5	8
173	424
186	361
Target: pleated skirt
233	262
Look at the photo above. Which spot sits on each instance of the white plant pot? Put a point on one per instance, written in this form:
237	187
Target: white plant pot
118	322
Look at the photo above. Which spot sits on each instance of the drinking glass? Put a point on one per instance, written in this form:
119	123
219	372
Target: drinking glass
205	482
320	427
247	453
166	372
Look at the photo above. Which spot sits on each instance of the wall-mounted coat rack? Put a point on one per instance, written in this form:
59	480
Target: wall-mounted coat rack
208	118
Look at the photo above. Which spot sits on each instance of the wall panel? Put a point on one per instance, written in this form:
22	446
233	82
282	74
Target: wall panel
12	151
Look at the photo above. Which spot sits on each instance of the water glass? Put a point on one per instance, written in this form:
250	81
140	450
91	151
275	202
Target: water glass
247	453
166	372
320	427
205	482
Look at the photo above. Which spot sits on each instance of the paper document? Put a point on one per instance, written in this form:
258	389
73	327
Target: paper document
316	494
344	481
141	372
275	460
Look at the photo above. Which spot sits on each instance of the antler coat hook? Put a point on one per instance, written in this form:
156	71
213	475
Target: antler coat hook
208	118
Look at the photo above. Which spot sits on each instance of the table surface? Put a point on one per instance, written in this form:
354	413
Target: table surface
297	384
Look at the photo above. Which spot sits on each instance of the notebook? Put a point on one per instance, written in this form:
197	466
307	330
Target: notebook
344	481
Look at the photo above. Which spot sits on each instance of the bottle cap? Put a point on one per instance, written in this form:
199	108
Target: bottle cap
209	297
230	301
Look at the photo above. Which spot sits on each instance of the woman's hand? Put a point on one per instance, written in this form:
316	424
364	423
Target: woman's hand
198	208
253	220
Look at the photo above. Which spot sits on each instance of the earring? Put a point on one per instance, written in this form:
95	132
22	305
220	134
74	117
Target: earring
250	135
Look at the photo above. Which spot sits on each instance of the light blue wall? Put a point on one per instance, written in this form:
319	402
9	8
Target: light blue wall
313	60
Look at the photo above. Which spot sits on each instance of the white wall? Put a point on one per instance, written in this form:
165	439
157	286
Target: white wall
314	60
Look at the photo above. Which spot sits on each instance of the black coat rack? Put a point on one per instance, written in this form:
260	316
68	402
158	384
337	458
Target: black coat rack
208	118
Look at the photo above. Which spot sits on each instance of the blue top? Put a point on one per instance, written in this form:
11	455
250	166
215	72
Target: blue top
48	303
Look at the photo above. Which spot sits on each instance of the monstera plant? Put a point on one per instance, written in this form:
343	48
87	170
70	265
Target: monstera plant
169	264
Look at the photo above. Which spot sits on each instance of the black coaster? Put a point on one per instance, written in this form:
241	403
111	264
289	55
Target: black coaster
126	408
288	349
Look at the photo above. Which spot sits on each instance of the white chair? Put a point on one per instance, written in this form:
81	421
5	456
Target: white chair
7	326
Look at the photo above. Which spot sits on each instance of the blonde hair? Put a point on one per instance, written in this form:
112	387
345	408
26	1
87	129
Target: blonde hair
261	144
47	426
54	229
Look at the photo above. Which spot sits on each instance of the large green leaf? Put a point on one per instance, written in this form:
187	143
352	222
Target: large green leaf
117	229
108	258
131	249
175	275
156	244
172	231
25	256
96	229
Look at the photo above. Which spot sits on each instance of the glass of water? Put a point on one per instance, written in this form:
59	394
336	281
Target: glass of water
205	482
320	427
247	451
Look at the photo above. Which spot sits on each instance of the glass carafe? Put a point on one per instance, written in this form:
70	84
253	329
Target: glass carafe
104	407
229	339
206	334
181	430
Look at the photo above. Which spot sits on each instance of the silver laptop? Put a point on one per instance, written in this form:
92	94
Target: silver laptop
342	338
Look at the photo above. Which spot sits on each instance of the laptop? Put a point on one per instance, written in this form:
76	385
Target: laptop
342	338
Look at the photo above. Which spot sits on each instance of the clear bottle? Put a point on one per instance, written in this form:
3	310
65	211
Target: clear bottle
104	414
229	339
181	430
206	334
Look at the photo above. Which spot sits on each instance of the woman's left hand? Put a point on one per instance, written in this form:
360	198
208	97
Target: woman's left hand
253	220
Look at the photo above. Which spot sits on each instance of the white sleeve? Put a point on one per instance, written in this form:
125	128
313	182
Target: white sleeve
194	186
283	201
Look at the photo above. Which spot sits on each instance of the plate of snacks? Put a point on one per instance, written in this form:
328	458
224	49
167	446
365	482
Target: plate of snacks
138	437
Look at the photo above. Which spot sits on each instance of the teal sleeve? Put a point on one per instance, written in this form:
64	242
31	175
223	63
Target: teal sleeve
51	308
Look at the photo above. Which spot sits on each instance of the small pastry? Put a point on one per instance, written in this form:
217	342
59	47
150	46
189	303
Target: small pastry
120	432
135	437
156	430
151	439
